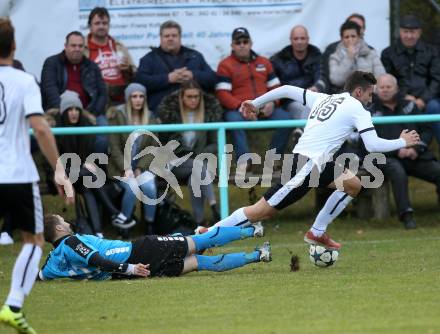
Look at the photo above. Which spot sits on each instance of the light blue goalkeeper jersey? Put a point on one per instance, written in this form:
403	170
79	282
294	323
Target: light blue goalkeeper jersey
70	257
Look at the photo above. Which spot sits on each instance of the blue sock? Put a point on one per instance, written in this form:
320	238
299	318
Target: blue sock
224	262
220	236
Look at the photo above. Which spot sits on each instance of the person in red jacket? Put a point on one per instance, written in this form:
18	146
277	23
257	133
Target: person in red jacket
245	75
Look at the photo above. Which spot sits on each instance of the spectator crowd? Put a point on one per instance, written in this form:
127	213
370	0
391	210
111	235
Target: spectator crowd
94	81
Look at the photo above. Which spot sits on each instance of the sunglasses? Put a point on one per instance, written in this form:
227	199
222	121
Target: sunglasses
242	41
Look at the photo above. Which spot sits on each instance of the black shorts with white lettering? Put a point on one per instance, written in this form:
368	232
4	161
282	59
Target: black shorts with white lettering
164	254
22	202
305	176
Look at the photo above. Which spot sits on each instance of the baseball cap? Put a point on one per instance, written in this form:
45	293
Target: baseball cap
240	33
410	22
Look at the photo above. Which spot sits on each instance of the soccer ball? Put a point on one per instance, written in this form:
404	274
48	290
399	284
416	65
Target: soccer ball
321	256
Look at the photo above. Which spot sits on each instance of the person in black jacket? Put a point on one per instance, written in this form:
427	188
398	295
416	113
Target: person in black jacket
71	70
416	161
163	69
416	65
298	64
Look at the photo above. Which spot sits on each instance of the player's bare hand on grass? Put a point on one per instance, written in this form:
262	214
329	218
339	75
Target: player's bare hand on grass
142	270
411	137
248	110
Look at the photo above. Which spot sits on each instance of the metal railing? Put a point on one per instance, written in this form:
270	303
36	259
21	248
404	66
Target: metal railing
221	128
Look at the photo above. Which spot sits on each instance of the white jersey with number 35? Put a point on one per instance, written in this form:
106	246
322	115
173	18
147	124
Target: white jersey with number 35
331	121
19	98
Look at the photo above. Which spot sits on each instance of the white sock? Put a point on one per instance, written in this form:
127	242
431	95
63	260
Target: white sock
24	274
337	202
237	218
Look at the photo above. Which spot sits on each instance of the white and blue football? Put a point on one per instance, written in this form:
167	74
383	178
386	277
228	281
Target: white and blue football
321	256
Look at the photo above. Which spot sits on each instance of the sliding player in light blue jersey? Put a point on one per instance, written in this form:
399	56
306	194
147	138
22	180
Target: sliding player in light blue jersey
88	257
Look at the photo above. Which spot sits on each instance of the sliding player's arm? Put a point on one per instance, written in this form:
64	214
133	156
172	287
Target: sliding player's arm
81	254
104	264
77	250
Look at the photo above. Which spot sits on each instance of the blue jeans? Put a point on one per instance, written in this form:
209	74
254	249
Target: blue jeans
129	198
279	138
101	142
433	108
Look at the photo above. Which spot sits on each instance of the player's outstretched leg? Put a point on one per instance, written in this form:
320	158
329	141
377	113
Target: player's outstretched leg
259	211
317	235
237	218
220	236
337	202
225	262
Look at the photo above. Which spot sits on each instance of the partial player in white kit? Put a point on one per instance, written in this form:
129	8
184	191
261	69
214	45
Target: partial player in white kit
20	107
331	121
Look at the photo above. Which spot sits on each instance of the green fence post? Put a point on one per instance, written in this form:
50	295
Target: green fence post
222	174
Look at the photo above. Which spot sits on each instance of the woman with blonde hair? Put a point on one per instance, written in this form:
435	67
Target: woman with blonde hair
135	171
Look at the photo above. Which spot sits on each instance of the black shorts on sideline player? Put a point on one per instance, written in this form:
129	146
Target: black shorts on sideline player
303	178
164	254
23	202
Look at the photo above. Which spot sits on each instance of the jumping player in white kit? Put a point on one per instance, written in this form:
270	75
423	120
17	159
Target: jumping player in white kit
331	121
20	108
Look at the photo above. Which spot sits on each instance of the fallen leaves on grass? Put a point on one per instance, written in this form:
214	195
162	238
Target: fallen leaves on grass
294	263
